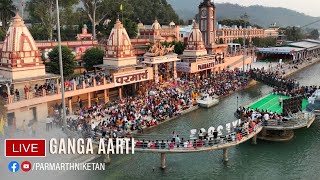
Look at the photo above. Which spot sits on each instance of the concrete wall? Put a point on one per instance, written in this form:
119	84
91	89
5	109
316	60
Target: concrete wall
26	113
21	73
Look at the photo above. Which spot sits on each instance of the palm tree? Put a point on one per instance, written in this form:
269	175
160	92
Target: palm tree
7	11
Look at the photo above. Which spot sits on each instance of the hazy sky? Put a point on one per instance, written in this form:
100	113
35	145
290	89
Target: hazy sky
309	7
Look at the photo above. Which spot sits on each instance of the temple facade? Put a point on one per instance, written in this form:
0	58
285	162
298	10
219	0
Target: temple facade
195	59
157	32
20	57
21	67
28	89
121	63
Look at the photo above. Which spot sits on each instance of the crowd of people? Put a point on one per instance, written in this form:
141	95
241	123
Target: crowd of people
88	79
273	79
258	115
132	113
204	139
163	101
219	84
50	86
305	91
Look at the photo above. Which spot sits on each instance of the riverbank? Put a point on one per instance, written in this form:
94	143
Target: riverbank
293	159
303	66
251	84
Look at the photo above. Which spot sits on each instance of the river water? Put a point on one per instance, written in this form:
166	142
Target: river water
296	159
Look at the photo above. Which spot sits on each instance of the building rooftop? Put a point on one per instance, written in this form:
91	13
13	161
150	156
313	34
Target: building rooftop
303	44
279	50
45	77
312	41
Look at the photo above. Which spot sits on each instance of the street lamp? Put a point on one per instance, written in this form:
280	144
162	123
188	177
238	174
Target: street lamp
244	17
61	69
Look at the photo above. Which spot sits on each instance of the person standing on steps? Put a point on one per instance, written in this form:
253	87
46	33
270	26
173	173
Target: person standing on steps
280	100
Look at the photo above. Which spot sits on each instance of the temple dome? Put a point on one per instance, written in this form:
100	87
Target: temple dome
195	44
195	41
156	25
19	52
172	24
119	44
140	25
18	37
119	50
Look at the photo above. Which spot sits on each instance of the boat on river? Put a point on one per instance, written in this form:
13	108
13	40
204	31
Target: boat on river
207	101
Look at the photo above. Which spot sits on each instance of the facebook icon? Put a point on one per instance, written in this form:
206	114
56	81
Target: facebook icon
13	166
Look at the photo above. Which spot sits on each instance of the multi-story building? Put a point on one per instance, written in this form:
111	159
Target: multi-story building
211	34
228	35
157	32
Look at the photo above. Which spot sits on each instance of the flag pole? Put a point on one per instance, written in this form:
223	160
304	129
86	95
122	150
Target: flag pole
121	9
22	8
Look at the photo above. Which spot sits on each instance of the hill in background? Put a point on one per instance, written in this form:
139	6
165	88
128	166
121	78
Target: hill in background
263	16
260	15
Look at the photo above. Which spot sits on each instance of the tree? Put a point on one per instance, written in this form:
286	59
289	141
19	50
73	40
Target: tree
67	61
39	32
2	34
178	46
314	34
221	41
7	11
91	57
293	33
147	10
238	22
95	10
264	42
131	28
44	12
130	12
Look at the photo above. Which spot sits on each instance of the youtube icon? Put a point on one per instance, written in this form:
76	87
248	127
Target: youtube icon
26	166
25	147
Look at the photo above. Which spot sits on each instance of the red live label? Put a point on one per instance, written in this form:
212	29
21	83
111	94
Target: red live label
25	147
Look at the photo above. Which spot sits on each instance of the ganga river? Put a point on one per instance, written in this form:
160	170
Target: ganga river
296	159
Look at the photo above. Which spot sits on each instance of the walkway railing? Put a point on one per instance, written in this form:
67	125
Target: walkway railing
195	145
43	92
300	120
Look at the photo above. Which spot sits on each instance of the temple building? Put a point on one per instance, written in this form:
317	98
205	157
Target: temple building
120	62
195	60
21	67
163	61
84	35
157	32
28	89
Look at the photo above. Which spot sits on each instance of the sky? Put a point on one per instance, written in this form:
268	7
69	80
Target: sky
309	7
